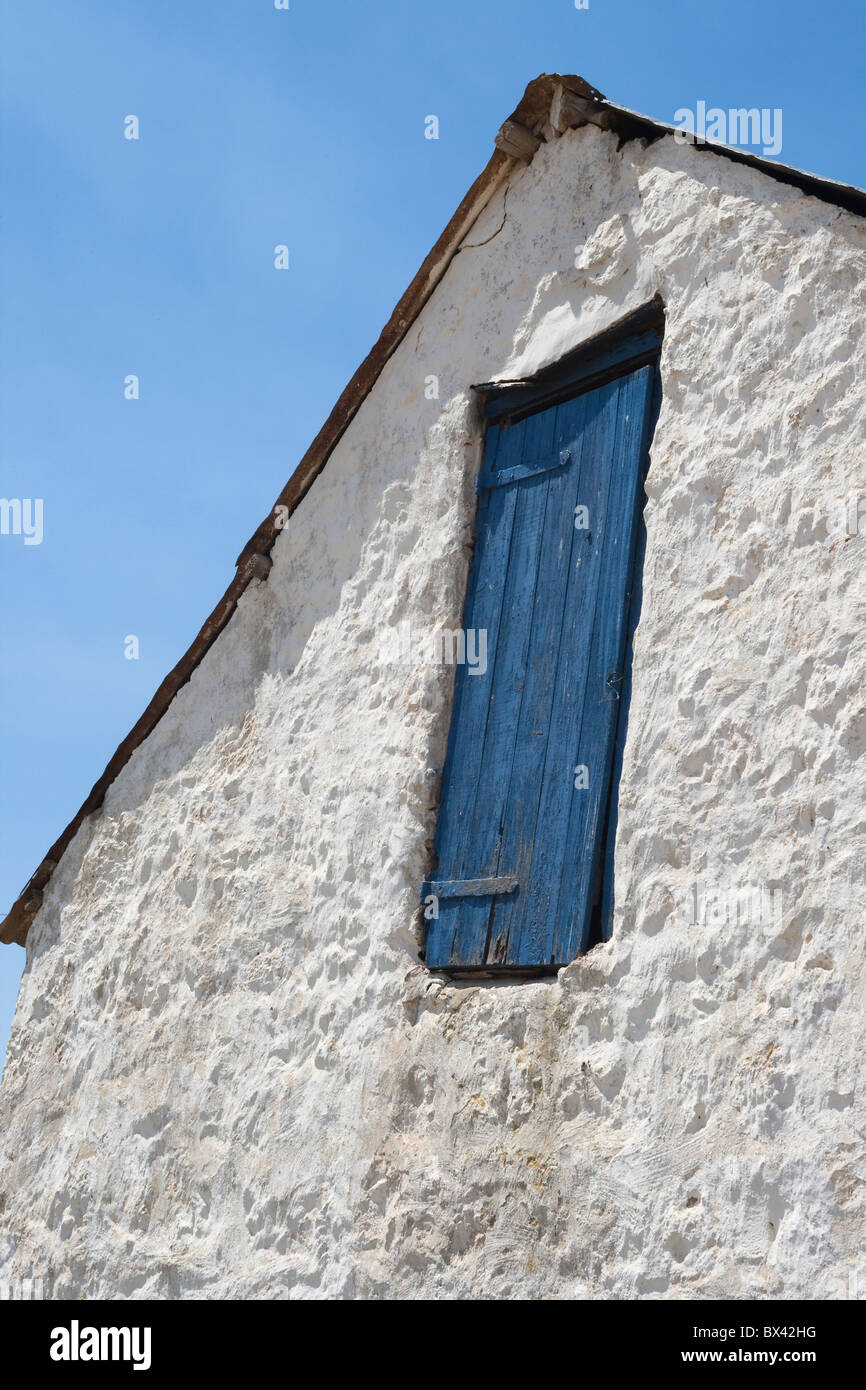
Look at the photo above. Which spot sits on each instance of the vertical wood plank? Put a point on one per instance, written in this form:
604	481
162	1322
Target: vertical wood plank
482	845
598	716
633	601
548	610
482	610
534	944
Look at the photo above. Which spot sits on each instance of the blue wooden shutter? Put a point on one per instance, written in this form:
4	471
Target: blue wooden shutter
518	842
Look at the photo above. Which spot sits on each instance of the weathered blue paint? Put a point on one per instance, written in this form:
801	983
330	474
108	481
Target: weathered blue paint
554	600
634	599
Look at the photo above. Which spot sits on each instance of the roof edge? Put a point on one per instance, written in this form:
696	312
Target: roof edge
632	124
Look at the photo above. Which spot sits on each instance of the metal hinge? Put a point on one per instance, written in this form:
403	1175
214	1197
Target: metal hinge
611	686
471	887
520	472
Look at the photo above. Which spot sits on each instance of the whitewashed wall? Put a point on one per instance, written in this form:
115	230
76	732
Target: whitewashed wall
229	1073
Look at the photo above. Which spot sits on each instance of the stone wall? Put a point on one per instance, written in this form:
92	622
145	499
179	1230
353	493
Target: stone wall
230	1074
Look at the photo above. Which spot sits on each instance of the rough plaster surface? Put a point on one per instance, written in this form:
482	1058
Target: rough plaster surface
229	1073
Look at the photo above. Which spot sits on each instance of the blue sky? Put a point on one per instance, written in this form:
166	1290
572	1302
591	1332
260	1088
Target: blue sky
155	257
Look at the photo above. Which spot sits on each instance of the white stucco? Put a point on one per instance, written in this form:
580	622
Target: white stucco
230	1074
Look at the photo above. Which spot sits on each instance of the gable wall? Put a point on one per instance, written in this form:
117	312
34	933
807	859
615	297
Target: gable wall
230	1075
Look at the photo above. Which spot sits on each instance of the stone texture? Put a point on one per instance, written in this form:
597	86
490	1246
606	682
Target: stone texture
231	1076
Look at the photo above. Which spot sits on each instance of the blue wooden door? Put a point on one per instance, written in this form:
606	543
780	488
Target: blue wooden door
528	771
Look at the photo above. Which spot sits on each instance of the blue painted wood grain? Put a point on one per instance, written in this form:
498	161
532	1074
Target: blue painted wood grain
534	944
482	610
533	734
509	664
634	599
598	717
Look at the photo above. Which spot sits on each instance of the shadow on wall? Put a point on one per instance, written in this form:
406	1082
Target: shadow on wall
11	969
